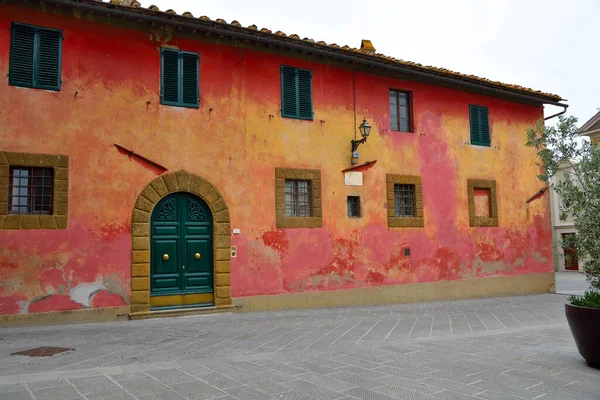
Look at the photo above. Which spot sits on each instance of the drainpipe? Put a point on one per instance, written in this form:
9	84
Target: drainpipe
564	106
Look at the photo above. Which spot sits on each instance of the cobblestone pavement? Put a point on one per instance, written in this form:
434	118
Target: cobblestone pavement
501	348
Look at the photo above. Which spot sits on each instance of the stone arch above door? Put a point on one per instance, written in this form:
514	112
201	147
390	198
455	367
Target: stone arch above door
180	181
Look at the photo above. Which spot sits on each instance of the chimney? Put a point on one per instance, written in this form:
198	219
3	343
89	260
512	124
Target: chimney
367	47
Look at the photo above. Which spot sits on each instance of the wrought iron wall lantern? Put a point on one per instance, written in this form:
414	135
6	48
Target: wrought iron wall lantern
364	129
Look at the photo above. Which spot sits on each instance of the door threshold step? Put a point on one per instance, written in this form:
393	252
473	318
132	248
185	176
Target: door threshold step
180	312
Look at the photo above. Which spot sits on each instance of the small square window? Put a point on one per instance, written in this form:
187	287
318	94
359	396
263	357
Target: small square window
404	200
354	206
400	112
297	198
30	190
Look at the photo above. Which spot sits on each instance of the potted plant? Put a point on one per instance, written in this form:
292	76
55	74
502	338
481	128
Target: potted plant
579	189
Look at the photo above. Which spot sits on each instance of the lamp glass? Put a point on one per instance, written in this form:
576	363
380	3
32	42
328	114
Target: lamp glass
365	128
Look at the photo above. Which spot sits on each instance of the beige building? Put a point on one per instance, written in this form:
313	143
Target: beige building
567	259
564	259
592	128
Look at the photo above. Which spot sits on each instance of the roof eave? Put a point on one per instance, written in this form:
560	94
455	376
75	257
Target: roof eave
271	39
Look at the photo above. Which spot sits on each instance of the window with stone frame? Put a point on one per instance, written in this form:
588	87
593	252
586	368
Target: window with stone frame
483	203
404	201
34	191
298	198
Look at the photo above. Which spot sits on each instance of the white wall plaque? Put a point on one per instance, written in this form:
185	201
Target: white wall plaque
353	178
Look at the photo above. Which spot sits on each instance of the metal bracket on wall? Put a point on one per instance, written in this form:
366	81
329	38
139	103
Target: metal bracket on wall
156	167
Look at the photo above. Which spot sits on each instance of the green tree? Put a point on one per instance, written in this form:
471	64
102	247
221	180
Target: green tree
579	189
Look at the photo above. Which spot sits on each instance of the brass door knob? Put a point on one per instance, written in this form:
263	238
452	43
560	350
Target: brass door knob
183	267
197	256
165	257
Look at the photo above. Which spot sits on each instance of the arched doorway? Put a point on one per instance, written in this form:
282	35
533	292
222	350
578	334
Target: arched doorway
181	255
214	206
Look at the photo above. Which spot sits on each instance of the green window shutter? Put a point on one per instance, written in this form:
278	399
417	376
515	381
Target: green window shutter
189	81
289	102
474	124
169	74
49	59
35	57
480	125
305	94
484	126
296	93
22	54
179	78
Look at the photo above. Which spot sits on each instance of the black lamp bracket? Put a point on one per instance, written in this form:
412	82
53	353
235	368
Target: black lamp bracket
356	143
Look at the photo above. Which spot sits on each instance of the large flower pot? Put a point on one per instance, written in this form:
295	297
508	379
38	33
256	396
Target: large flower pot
585	327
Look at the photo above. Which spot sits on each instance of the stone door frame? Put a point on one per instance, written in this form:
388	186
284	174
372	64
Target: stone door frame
180	181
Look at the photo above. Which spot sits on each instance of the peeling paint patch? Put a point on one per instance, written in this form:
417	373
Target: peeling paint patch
83	293
104	298
276	240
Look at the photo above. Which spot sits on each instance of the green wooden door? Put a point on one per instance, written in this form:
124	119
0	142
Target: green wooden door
181	252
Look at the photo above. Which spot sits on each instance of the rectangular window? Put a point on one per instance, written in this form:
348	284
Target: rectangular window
480	125
404	200
354	206
35	57
30	190
296	93
297	198
400	111
179	78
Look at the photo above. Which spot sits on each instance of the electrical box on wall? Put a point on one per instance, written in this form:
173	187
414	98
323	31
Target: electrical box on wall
353	178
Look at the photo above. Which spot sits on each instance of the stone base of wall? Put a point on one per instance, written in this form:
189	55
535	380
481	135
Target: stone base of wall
66	317
399	294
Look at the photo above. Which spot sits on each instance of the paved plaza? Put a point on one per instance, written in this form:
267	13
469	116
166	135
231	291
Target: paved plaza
500	348
571	282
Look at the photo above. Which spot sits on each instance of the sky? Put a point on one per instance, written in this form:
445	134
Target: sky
547	45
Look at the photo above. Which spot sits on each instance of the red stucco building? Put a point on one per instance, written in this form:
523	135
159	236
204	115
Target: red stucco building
154	163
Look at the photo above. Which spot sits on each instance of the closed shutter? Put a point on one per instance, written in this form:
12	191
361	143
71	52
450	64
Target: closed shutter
189	74
22	54
170	76
484	126
296	93
35	57
305	94
179	78
480	126
48	68
474	123
289	101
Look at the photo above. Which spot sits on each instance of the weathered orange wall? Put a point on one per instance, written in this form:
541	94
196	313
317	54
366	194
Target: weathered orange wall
232	142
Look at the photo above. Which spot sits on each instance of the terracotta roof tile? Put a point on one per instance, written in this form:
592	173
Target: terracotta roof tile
370	54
